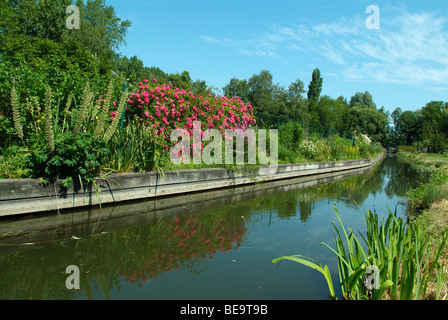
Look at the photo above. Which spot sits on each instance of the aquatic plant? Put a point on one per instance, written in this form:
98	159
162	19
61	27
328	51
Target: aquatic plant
400	254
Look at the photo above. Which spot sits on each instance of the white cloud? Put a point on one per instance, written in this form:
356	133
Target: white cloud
410	48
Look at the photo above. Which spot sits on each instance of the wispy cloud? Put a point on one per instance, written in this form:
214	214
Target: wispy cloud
410	48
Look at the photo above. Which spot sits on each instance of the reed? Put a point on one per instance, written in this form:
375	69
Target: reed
404	257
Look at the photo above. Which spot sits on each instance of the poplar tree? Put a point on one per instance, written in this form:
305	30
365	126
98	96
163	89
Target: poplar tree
315	87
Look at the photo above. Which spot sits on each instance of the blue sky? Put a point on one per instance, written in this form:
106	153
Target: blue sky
403	64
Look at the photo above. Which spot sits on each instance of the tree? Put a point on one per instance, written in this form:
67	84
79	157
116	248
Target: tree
434	125
436	140
363	100
369	121
181	80
43	18
395	116
237	88
134	71
330	112
261	92
200	87
408	127
315	86
297	104
101	31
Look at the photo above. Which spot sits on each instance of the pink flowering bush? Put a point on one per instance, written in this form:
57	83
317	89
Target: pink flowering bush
165	108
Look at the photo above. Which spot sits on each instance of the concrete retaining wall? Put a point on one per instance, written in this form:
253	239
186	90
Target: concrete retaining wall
23	196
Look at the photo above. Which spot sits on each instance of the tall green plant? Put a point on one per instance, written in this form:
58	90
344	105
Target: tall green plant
402	254
16	113
75	147
49	133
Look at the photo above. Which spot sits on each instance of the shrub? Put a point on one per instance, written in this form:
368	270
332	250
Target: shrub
164	109
74	156
290	136
423	197
339	147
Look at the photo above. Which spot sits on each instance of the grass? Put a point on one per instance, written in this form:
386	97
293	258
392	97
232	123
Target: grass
428	160
430	201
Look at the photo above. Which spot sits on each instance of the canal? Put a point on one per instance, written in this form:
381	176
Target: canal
218	245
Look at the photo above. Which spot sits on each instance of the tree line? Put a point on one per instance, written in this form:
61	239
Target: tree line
426	127
359	114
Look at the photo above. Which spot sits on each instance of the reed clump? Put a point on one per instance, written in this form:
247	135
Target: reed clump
396	259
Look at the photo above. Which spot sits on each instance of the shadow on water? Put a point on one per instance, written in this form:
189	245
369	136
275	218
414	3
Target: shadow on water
214	245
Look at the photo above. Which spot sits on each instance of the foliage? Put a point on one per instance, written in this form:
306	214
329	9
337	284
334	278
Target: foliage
423	197
270	98
164	109
290	135
73	156
315	87
12	163
133	149
71	143
424	128
34	64
399	253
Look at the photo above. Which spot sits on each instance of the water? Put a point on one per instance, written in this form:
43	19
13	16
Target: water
218	245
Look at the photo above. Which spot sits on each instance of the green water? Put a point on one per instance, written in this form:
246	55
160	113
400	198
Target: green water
199	247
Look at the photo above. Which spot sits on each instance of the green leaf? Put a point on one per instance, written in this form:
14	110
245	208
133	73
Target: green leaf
311	264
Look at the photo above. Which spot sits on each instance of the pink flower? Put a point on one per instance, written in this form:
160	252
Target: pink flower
165	121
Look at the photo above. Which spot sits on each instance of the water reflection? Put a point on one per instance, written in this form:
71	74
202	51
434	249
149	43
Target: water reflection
133	244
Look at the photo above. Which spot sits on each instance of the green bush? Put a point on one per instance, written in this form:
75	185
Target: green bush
423	197
33	64
339	147
290	136
13	163
407	148
79	156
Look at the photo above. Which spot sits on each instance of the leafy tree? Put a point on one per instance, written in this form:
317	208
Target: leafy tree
369	121
363	100
238	88
315	86
329	112
101	30
43	18
395	116
261	92
297	104
133	70
200	87
408	127
434	125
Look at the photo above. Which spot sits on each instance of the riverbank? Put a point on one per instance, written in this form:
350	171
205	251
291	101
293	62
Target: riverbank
429	204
